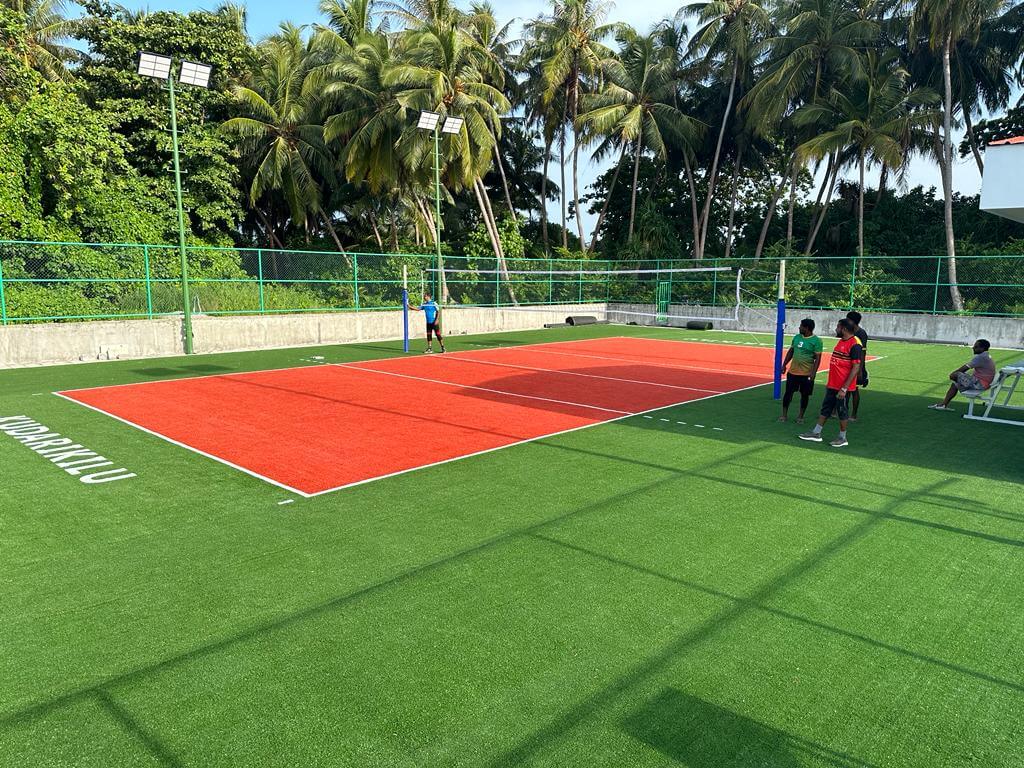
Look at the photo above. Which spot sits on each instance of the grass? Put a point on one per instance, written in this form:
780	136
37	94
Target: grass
634	594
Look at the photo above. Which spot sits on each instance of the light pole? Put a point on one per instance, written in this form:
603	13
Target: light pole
191	73
431	121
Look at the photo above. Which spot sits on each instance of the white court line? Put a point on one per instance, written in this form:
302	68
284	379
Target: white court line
257	475
533	439
453	356
659	365
351	367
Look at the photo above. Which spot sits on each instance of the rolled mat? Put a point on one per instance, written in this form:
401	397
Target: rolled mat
580	320
699	325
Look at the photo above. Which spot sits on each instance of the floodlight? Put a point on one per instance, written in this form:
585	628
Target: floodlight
452	125
428	120
194	73
154	65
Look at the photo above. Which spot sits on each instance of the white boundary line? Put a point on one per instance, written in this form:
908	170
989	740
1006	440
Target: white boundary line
351	367
534	439
659	365
184	445
453	356
624	414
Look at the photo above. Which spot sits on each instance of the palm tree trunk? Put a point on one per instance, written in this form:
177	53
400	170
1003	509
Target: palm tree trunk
824	210
561	194
732	202
501	170
693	204
973	141
883	178
714	163
608	197
544	199
268	228
334	236
376	231
771	212
575	163
636	176
493	224
947	176
860	212
792	206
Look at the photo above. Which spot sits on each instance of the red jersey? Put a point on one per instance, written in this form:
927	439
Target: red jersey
847	352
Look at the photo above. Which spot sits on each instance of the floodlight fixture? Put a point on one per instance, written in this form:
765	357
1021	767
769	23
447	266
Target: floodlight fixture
428	121
194	73
452	125
154	65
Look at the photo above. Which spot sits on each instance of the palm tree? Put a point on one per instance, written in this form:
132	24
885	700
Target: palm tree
874	116
281	143
570	47
943	25
634	107
729	36
45	28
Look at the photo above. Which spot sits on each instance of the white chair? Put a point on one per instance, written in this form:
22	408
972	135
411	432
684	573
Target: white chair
1006	384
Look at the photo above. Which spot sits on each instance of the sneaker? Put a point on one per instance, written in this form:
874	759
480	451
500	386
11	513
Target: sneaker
839	442
853	419
442	350
939	407
429	351
799	419
814	437
783	419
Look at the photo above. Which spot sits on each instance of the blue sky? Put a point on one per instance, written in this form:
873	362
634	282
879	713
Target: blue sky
265	16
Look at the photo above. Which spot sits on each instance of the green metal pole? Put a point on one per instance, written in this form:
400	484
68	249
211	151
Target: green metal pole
149	282
3	299
259	269
853	280
185	299
938	272
355	279
580	300
437	204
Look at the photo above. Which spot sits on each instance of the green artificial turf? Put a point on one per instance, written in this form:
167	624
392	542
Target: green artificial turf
640	593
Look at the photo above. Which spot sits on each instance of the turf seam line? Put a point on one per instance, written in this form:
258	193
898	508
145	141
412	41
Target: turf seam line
172	441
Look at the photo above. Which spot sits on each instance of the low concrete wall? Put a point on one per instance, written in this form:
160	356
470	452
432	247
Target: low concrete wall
56	343
87	342
944	329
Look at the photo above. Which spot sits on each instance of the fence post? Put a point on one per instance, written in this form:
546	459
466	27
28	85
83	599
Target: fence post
3	299
935	297
580	301
149	283
259	275
714	283
355	279
497	283
853	280
551	282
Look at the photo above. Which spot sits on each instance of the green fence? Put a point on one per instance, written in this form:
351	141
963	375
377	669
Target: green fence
42	282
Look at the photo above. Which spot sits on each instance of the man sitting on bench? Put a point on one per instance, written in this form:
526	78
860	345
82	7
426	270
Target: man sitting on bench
984	368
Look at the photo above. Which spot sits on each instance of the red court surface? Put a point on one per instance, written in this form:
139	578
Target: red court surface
317	429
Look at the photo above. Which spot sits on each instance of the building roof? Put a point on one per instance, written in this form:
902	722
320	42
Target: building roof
1014	140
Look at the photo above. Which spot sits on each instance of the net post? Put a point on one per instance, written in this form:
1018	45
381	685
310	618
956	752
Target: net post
149	283
780	325
405	308
3	298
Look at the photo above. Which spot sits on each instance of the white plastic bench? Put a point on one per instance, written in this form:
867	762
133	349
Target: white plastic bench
1005	384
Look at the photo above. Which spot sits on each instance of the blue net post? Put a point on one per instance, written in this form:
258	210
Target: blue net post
405	309
780	330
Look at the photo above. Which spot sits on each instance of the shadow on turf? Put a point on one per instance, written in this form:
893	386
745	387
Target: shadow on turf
700	734
134	728
165	372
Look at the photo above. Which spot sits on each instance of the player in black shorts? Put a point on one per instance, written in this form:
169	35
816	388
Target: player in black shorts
862	377
802	361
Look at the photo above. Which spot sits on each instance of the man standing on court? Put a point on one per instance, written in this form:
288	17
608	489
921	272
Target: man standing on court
430	312
843	369
805	355
862	377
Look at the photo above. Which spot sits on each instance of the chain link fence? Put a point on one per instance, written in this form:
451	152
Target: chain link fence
44	282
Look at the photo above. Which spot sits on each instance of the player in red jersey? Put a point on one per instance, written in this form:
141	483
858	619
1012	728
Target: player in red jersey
846	363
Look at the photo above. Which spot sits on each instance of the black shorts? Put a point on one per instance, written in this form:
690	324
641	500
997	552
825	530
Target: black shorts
832	402
435	327
802	384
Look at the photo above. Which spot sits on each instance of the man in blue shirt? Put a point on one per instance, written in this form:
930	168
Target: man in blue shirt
430	311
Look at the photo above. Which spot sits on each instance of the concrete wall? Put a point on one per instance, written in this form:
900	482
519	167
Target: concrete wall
945	329
56	343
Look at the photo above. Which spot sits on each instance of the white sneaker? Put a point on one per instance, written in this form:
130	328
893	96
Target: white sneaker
814	437
939	407
429	351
